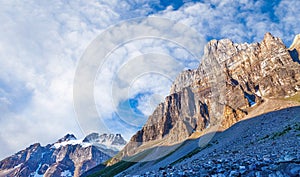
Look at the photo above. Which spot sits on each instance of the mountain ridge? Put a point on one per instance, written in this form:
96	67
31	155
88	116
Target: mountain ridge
68	156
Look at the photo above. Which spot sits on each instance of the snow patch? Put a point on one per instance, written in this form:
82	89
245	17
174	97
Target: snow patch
104	141
66	173
109	146
258	93
72	142
17	166
35	174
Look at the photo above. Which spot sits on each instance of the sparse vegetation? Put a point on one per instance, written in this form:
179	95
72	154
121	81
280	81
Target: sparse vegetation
114	169
295	97
189	155
265	137
107	161
288	128
122	165
278	134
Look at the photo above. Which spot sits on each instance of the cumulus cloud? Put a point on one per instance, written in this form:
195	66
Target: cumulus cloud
287	13
241	21
40	45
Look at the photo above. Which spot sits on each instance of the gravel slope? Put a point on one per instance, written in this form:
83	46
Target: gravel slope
266	145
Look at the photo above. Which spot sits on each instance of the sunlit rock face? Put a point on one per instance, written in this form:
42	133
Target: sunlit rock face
230	80
295	49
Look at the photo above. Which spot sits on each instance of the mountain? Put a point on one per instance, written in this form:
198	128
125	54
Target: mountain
232	81
66	157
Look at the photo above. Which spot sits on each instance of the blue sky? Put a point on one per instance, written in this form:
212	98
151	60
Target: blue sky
42	42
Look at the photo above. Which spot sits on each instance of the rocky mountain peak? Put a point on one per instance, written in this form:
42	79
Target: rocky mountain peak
113	141
119	140
218	49
231	80
270	42
67	137
34	146
268	37
215	46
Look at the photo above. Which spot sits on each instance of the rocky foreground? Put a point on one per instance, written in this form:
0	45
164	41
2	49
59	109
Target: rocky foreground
267	145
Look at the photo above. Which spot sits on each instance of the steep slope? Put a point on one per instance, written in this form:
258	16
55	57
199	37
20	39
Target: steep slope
231	81
66	157
266	145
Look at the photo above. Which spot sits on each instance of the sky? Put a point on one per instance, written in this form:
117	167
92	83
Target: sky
42	44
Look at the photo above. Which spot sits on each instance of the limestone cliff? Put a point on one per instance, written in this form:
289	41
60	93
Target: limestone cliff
230	80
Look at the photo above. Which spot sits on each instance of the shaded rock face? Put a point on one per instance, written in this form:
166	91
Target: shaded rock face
67	157
295	49
230	80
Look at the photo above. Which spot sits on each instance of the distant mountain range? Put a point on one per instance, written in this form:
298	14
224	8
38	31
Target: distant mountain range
66	157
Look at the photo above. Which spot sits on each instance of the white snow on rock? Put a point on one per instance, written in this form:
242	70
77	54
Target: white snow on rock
72	142
66	173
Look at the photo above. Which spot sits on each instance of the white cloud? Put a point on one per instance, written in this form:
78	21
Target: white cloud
240	21
288	14
40	44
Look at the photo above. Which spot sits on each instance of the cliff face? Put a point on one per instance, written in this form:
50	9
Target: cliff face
230	80
67	157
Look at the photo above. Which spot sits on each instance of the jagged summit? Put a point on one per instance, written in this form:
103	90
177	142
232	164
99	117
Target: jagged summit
104	141
67	137
112	141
